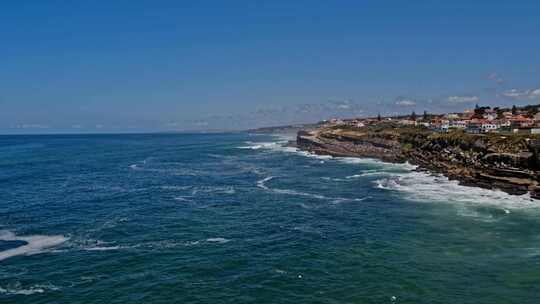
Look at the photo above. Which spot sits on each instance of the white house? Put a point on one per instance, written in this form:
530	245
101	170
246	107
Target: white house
458	124
503	123
488	127
408	122
490	116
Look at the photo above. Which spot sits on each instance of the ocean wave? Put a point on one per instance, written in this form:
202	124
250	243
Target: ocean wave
313	155
105	248
419	186
35	244
213	189
425	187
381	165
194	190
262	184
94	245
334	179
183	199
18	289
175	188
369	173
217	240
279	146
172	171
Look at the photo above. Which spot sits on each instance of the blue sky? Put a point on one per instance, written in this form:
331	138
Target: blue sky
131	66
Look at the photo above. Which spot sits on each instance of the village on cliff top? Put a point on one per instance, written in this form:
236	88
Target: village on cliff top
515	120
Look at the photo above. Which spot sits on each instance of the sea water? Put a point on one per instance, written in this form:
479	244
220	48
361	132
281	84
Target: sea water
238	218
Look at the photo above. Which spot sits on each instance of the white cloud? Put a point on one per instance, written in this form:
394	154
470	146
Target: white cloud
496	77
463	99
406	102
522	94
201	123
29	126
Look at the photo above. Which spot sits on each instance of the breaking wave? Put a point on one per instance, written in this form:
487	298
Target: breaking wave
262	184
214	189
418	186
194	190
35	244
378	164
17	289
106	248
217	240
425	187
279	146
172	170
183	199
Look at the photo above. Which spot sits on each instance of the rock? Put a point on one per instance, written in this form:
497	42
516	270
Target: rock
470	159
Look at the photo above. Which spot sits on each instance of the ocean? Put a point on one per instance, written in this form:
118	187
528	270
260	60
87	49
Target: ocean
238	218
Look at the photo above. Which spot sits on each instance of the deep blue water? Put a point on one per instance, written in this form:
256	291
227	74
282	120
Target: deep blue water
235	218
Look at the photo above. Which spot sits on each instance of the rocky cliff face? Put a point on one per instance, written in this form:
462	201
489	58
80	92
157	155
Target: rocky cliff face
510	163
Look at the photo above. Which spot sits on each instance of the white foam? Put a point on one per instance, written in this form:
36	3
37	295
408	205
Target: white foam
377	163
214	189
102	248
299	193
262	184
419	186
17	289
278	146
182	199
217	240
175	188
425	187
369	173
172	170
261	145
333	179
35	244
25	292
254	147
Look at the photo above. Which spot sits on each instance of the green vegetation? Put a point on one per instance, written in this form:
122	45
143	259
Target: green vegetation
416	136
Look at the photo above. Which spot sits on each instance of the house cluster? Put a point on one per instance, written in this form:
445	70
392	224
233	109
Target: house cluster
475	121
483	120
357	122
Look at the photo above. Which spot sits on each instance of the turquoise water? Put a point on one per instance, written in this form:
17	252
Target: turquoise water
235	218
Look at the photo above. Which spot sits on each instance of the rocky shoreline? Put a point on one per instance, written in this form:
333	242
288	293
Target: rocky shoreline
508	163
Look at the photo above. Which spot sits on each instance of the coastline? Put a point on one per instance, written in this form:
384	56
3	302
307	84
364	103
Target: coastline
473	161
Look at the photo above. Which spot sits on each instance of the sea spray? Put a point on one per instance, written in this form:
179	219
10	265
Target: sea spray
35	244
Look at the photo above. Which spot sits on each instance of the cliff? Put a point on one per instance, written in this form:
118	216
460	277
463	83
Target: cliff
510	163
